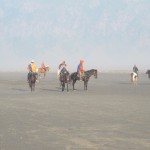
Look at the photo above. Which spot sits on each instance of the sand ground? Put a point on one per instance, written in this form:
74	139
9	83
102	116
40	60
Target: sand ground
112	115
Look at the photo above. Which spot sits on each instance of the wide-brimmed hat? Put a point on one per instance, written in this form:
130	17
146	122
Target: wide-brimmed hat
32	61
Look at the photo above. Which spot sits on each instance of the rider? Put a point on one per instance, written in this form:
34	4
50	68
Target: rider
32	68
63	68
135	69
43	66
80	69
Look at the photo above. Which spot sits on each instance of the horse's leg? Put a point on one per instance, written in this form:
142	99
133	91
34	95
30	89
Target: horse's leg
63	86
73	83
132	78
60	84
67	87
86	85
39	76
30	85
33	86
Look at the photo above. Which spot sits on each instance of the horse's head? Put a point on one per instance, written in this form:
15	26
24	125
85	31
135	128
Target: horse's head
95	73
47	68
64	77
91	72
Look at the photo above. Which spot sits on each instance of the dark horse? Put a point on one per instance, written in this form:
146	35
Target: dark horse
148	72
85	78
32	80
64	79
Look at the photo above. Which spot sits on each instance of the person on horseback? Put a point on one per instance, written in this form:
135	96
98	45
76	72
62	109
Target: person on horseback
63	68
32	68
80	70
43	66
135	69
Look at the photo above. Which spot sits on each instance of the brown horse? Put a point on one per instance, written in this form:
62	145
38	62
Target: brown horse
41	70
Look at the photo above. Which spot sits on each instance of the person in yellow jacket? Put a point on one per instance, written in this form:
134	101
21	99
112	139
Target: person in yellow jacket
32	68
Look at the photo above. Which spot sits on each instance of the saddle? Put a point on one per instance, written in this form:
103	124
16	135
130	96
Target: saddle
43	69
32	74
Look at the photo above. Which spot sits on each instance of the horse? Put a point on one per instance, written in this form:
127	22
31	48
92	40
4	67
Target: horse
32	80
134	77
148	72
41	70
64	79
87	74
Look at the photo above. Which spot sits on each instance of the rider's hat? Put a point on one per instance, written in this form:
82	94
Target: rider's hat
32	61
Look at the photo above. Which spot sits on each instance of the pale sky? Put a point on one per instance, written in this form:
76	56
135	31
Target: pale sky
106	34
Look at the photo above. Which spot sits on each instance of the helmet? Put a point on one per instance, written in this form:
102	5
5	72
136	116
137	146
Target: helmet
32	61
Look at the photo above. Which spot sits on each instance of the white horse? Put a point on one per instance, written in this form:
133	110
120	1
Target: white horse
134	77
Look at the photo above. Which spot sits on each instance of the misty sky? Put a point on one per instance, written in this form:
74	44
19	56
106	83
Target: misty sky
106	34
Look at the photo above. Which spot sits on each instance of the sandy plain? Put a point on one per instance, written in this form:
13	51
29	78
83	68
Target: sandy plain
113	114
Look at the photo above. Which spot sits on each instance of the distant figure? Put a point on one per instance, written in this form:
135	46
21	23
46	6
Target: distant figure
148	72
62	68
43	70
32	69
43	66
80	70
135	69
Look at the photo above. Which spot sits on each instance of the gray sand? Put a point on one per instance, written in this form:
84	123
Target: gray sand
112	115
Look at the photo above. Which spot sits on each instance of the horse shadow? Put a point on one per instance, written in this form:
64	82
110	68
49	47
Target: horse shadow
50	90
21	90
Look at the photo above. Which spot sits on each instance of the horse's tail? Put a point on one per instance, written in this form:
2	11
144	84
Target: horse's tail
58	72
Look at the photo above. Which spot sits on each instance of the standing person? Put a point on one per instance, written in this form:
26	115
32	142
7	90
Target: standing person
135	69
80	70
32	68
43	66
